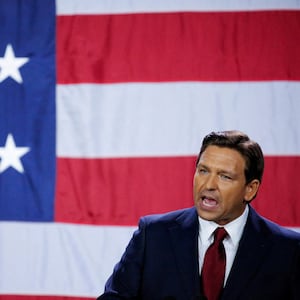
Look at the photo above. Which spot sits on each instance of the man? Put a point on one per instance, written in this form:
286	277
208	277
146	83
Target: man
168	255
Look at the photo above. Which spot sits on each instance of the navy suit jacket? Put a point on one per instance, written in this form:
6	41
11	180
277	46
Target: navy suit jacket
161	261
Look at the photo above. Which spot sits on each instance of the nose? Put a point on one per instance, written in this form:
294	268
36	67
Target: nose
211	182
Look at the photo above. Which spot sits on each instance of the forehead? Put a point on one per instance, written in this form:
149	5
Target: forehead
222	158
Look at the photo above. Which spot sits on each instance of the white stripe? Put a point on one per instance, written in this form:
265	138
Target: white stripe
71	7
58	259
169	119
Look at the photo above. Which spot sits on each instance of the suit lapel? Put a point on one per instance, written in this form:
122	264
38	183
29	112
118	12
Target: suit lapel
251	251
184	236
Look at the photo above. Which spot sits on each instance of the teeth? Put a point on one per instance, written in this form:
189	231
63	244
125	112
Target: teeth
209	202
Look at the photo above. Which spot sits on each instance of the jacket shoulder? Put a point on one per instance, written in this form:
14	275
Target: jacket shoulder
276	230
179	216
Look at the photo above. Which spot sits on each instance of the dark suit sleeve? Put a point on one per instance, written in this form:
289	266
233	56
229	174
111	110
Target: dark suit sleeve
125	281
296	276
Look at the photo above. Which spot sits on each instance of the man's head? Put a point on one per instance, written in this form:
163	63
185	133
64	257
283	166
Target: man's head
228	174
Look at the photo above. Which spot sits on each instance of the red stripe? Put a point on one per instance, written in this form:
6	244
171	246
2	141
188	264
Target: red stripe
223	46
119	191
279	196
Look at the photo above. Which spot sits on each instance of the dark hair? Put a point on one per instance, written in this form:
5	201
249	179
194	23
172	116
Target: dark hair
240	142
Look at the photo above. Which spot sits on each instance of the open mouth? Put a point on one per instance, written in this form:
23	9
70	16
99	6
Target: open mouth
209	202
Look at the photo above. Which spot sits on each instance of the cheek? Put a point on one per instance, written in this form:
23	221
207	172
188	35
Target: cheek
235	196
196	184
196	181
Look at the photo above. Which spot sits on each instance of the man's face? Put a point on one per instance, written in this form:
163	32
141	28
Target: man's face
220	185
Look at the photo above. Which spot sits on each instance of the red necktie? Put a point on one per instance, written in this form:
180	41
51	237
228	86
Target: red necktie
213	270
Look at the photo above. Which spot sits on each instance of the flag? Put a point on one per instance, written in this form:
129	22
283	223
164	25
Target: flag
104	107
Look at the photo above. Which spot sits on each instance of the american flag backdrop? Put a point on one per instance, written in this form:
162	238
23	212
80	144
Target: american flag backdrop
104	104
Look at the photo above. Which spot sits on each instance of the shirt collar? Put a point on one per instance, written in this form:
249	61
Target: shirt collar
234	228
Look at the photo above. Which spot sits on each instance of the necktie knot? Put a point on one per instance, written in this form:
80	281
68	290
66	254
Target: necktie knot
219	234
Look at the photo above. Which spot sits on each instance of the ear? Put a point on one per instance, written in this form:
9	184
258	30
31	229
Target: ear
251	190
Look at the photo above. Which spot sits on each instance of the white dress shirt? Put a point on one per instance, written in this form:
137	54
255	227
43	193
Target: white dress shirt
231	242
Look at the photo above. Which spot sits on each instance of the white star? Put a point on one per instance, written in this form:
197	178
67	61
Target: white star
9	65
10	155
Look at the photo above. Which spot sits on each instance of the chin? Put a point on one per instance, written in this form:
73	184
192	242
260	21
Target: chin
209	216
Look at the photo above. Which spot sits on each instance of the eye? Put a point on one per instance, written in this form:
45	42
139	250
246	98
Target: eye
202	171
225	177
